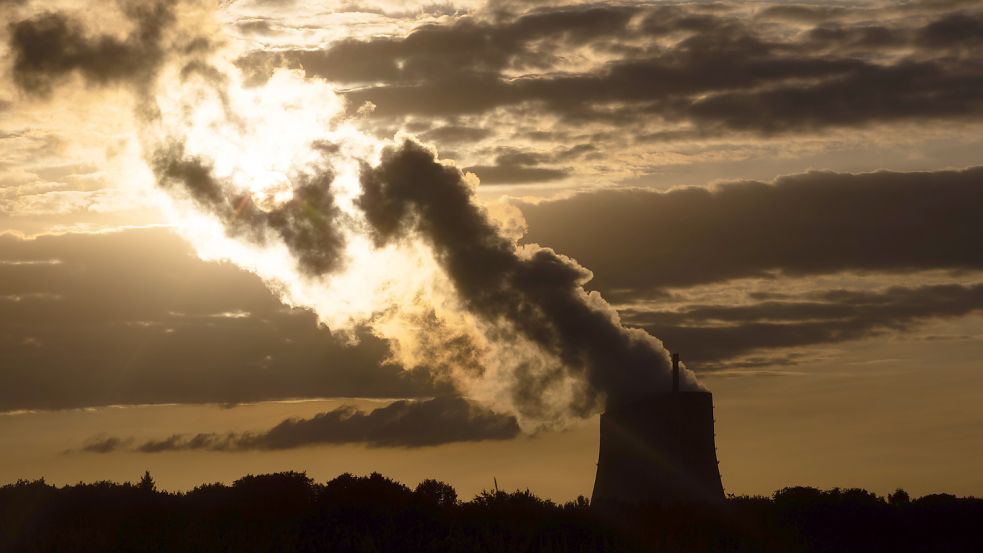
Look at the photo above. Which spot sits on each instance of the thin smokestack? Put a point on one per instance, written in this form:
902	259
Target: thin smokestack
675	372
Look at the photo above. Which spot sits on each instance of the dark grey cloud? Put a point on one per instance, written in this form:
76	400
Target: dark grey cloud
713	335
451	134
954	30
106	444
907	90
538	292
466	46
855	41
719	70
810	13
403	423
639	241
516	174
255	26
51	46
133	317
514	167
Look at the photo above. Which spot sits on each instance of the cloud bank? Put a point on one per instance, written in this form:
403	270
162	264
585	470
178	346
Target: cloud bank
402	423
812	223
720	68
133	317
716	336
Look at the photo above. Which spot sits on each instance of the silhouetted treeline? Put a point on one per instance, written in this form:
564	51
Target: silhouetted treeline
290	512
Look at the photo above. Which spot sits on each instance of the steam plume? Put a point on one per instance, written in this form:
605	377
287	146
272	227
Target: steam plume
537	293
367	234
305	223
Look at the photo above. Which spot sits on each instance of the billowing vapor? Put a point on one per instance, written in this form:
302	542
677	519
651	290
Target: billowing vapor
530	294
369	234
306	223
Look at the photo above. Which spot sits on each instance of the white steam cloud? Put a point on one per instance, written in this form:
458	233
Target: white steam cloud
368	234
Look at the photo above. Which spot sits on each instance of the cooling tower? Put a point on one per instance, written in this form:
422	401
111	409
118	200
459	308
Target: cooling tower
660	449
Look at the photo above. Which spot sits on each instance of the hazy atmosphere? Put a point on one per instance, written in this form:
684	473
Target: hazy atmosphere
438	240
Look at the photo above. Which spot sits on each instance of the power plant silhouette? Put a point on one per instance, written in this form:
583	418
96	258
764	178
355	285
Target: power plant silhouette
660	449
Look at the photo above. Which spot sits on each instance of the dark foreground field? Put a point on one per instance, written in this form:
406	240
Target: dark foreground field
290	512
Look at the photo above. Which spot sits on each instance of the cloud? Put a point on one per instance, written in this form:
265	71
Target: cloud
48	47
402	423
714	335
255	26
802	13
956	29
450	134
134	317
639	241
722	71
516	168
908	90
106	444
467	45
516	174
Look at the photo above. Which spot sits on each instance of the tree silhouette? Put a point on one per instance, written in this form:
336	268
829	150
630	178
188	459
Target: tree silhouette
290	512
436	492
147	483
899	497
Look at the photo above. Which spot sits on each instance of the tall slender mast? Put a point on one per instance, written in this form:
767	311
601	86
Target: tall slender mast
675	372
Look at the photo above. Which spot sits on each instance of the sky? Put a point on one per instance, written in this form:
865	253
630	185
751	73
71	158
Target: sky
437	240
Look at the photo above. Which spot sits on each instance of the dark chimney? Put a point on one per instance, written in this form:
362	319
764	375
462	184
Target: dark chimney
675	372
